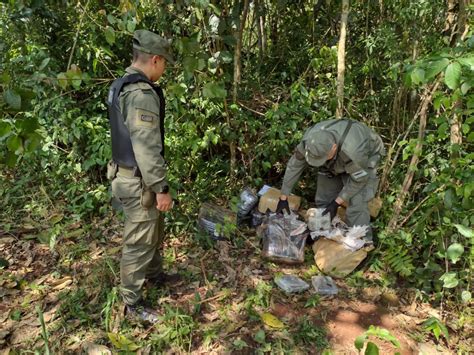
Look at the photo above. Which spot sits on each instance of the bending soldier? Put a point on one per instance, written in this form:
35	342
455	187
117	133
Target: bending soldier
346	154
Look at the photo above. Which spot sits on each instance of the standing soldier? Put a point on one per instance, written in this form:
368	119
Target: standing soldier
138	168
346	154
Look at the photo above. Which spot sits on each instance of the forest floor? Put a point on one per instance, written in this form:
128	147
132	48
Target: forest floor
217	307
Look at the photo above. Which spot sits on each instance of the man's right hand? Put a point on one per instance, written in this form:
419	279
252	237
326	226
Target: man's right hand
164	202
283	205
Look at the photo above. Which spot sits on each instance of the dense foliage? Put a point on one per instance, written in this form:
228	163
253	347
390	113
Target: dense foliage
58	58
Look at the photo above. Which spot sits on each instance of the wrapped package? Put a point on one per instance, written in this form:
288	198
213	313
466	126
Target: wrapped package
291	283
284	239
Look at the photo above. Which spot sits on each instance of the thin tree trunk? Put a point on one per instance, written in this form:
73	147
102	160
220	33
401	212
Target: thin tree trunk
423	114
260	29
456	24
341	54
237	78
238	52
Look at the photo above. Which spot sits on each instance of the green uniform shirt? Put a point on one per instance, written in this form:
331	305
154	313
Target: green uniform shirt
140	106
361	150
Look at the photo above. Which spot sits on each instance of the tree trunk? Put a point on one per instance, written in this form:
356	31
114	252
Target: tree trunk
423	114
260	10
341	54
237	77
455	24
238	51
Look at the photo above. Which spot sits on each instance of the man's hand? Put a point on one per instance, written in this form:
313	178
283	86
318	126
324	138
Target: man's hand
332	209
164	202
283	205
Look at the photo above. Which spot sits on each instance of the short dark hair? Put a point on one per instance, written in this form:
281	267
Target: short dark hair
141	57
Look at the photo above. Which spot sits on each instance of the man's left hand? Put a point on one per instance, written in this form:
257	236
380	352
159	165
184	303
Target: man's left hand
164	202
331	209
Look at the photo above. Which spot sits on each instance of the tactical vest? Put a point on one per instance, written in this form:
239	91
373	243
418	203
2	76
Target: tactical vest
122	150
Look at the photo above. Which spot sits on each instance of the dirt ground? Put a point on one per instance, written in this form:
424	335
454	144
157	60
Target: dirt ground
223	291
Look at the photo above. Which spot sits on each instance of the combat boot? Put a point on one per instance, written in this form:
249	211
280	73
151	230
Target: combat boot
164	278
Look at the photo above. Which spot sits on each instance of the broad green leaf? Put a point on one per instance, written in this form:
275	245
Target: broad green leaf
450	279
44	63
417	76
110	35
15	144
190	64
466	296
272	321
62	80
5	128
359	342
76	81
454	252
226	57
465	87
434	68
384	334
371	349
259	337
214	90
122	343
434	325
111	19
465	231
131	24
449	198
11	159
467	61
5	78
452	75
12	99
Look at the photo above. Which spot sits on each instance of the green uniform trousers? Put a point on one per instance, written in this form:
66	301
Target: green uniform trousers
142	238
357	212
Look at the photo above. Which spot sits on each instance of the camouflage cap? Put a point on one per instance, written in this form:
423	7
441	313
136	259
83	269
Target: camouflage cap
317	147
151	43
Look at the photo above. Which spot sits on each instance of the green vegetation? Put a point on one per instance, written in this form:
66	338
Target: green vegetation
409	74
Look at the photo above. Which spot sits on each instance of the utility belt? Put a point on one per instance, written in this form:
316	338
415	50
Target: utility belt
113	169
326	173
147	196
129	172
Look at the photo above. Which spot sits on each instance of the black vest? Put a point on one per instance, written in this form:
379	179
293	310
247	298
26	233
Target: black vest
122	150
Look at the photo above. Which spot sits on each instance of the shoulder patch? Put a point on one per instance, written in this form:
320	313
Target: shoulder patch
360	174
145	118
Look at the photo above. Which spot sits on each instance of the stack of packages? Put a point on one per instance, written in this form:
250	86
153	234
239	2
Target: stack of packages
338	249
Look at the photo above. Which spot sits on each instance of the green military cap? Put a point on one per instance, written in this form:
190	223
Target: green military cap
151	43
317	147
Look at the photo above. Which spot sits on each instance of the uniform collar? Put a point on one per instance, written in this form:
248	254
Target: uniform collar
134	70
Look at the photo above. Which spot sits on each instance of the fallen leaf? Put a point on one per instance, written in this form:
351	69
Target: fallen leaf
121	342
22	334
272	321
62	285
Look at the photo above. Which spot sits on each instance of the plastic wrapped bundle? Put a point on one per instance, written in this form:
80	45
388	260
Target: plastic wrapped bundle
211	215
317	221
324	285
248	200
284	239
291	283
